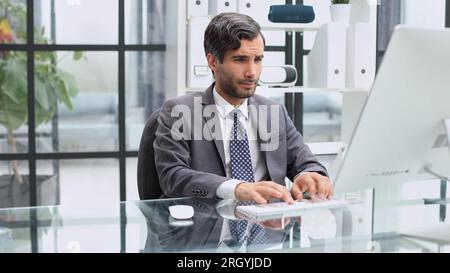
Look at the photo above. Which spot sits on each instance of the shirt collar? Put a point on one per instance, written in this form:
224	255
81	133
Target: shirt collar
225	108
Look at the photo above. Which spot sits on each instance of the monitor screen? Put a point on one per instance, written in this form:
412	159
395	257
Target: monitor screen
401	130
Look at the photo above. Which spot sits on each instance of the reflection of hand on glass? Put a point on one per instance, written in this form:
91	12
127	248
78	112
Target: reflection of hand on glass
275	224
239	215
319	224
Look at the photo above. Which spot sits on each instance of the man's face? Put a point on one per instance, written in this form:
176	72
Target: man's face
238	75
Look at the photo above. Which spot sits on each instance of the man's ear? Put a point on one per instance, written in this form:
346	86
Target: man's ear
212	62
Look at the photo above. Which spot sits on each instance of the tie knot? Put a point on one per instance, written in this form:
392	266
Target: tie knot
236	114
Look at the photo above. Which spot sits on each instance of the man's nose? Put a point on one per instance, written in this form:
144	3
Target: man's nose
251	71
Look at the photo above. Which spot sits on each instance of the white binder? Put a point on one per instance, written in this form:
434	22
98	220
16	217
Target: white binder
258	10
198	73
327	59
361	56
197	8
219	6
246	7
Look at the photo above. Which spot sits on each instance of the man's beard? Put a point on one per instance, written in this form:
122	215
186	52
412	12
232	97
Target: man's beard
232	89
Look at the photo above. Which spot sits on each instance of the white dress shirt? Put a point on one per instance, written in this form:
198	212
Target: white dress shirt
260	173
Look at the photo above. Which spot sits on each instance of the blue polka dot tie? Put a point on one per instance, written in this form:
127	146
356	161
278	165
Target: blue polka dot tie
241	162
241	169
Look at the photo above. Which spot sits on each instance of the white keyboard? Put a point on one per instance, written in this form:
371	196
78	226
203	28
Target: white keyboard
283	209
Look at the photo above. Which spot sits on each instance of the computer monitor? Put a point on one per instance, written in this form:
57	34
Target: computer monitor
401	130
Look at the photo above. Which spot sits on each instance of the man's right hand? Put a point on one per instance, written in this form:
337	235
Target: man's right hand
262	192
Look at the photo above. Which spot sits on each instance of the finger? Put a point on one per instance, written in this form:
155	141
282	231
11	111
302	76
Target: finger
322	183
331	193
299	196
274	224
287	221
297	192
268	192
258	198
286	194
311	187
330	190
327	187
306	184
321	189
270	224
287	197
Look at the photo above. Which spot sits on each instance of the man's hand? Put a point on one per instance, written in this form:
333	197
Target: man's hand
317	185
261	192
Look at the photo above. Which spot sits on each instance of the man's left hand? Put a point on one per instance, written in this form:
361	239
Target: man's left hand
317	185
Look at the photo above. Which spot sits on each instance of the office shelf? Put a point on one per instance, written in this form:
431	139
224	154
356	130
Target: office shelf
290	27
301	89
325	148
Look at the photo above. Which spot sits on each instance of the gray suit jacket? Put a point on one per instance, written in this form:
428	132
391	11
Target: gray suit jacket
196	168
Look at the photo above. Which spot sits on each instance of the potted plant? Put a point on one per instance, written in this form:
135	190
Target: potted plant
52	84
340	11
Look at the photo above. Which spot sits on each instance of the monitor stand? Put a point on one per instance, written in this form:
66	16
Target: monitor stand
442	201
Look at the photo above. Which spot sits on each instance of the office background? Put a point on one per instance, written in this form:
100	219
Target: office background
116	53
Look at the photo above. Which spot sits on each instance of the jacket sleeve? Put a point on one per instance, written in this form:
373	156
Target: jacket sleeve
173	161
299	156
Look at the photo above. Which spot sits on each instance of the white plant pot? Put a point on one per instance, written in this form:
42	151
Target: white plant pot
340	13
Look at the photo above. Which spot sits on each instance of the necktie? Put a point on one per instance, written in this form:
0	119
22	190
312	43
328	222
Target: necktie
241	169
241	162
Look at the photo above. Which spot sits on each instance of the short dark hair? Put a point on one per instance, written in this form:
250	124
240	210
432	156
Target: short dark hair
226	31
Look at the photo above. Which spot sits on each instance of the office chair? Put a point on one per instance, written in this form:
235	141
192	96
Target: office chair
147	176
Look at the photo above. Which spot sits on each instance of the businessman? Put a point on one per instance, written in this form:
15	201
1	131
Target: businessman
227	142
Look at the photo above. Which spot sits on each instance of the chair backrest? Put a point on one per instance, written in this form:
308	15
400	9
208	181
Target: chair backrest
147	176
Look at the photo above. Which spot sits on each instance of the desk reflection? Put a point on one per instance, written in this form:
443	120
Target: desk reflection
209	229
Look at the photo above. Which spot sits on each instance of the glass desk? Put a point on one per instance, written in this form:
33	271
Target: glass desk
146	226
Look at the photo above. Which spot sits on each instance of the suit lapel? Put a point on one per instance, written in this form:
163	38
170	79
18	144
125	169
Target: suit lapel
216	133
255	116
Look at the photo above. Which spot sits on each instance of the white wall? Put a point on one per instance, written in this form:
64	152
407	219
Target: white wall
86	22
427	14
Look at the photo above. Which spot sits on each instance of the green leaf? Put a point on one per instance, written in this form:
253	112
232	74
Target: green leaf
52	84
77	55
44	57
14	82
41	93
70	82
12	115
43	115
63	94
